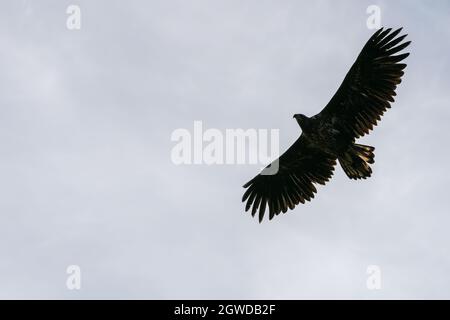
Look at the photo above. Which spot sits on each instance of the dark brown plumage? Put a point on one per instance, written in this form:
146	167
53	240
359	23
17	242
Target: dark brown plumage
363	97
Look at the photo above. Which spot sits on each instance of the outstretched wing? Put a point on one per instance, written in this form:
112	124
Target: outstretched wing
299	168
370	85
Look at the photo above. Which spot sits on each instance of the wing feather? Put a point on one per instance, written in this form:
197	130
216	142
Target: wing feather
300	167
369	87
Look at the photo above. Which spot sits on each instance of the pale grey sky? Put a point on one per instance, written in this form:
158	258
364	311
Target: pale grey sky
86	176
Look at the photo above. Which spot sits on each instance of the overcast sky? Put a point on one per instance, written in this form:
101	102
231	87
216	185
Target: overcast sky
86	176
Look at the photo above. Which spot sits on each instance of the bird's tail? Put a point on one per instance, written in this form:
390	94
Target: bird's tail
355	161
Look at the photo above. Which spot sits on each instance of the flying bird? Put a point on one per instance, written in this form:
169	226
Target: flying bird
329	137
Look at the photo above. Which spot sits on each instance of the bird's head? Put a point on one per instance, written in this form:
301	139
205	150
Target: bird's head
302	120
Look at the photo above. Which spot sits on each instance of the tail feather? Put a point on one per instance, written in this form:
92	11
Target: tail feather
355	162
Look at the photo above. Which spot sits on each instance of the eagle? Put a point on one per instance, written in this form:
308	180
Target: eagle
330	136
